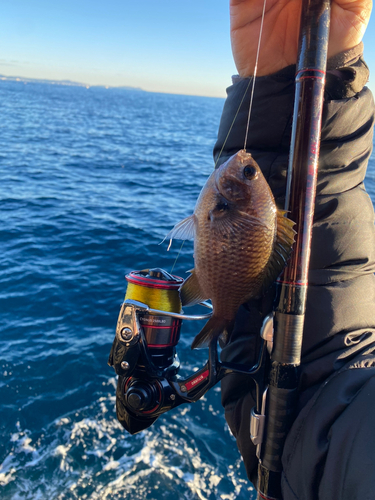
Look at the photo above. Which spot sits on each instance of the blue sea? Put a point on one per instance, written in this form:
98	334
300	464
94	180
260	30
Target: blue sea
92	179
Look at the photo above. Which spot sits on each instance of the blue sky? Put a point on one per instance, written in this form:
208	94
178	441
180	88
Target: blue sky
171	46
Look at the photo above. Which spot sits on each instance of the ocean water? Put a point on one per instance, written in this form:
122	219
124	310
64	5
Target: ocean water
91	182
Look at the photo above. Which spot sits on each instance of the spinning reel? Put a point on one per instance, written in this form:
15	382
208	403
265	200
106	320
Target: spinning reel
144	354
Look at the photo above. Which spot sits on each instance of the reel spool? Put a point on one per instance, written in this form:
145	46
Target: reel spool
159	290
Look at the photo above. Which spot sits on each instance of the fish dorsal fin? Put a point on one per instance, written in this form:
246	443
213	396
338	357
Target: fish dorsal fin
282	249
190	291
183	230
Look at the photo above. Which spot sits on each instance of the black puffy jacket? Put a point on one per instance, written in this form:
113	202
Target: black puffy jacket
330	450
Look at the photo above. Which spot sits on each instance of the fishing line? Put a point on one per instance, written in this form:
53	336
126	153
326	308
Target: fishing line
234	119
155	298
255	73
251	80
177	256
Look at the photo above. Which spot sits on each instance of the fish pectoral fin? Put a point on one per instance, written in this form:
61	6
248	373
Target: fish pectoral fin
234	220
282	249
190	291
252	220
215	327
183	230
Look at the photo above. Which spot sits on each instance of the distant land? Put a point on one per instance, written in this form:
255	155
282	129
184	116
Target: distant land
64	82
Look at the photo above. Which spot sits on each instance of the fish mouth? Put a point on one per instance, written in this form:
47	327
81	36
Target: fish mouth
243	156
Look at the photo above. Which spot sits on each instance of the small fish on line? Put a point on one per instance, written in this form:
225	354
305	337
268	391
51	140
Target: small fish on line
241	243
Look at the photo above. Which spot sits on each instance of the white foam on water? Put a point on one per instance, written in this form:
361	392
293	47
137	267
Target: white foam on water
7	470
87	455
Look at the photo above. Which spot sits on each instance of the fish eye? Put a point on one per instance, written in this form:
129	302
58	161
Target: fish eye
222	206
250	172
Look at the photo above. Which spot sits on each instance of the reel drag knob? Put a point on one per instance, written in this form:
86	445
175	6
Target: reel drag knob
142	397
138	398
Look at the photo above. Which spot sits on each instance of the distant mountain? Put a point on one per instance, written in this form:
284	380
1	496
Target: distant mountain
64	82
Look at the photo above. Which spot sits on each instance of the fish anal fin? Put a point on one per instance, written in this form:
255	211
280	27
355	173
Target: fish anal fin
215	327
281	251
191	292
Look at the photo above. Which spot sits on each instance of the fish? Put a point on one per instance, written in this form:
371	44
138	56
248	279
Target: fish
242	242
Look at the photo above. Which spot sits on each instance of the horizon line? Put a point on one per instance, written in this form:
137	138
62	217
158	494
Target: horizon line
72	83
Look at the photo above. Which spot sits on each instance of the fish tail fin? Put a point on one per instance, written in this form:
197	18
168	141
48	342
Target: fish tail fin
215	327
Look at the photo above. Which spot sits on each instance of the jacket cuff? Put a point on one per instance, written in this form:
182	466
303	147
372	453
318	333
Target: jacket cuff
347	74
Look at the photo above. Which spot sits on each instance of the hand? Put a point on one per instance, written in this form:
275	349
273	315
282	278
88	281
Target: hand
279	45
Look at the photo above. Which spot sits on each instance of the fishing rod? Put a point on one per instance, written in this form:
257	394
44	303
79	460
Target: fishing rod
290	302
